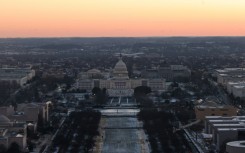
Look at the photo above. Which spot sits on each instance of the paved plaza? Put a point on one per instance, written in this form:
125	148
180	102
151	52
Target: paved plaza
121	101
122	134
121	141
119	112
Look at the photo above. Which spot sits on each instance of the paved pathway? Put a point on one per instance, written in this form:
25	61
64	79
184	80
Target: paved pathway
123	134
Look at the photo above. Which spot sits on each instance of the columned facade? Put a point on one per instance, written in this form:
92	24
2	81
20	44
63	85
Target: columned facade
119	84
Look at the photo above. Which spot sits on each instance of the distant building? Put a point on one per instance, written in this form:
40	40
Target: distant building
12	132
180	71
15	122
55	73
236	88
150	73
171	73
230	75
27	113
211	108
117	81
166	73
233	79
18	75
92	74
225	129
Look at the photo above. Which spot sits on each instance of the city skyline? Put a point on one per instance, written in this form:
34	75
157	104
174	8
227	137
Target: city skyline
121	18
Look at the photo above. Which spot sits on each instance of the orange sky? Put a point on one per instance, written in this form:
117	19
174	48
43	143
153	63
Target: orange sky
89	18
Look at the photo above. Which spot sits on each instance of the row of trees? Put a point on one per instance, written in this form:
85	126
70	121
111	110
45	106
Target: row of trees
237	100
14	148
32	92
159	127
141	96
50	83
78	130
6	89
101	96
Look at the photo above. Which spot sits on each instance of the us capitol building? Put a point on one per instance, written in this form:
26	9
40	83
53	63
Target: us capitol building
116	81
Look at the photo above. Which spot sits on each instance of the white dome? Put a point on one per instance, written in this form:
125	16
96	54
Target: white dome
120	70
120	66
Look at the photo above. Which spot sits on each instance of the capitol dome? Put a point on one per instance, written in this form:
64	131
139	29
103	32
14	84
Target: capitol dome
121	66
120	70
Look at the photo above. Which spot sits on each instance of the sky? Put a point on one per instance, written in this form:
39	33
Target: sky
121	18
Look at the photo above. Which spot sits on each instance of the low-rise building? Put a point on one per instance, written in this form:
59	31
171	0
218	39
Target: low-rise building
233	79
170	73
230	75
12	132
236	88
235	147
180	71
18	75
27	113
211	108
225	129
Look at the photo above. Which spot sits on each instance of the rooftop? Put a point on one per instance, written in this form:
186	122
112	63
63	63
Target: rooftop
237	144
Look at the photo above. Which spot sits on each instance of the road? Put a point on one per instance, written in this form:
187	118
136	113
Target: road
224	97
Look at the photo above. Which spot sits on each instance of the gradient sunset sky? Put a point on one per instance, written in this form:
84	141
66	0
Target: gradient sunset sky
110	18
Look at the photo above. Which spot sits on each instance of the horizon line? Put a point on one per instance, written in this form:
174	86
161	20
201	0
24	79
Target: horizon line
181	36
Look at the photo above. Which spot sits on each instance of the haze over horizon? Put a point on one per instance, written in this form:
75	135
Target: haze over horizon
121	18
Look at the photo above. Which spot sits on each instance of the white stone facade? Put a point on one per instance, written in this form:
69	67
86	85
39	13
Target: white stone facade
224	129
230	75
119	84
236	88
18	75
